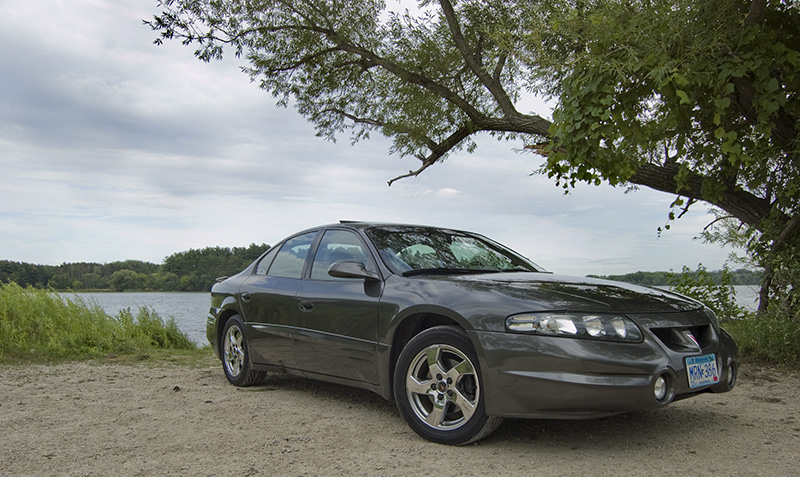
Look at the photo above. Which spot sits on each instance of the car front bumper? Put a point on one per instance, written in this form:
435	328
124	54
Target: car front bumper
534	376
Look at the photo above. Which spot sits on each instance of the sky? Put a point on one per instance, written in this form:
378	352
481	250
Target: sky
113	148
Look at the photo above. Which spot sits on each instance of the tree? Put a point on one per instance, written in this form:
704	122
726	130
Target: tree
122	280
138	266
60	281
696	99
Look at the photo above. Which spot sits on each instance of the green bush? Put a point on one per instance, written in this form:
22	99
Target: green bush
700	285
43	325
770	337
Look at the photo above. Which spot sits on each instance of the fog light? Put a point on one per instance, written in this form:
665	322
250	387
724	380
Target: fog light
732	371
660	388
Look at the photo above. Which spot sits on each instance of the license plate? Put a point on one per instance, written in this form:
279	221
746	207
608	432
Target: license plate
702	370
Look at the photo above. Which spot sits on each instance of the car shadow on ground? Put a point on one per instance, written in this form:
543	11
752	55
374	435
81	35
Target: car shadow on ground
615	433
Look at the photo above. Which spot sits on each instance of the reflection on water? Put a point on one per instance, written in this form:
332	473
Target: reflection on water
190	309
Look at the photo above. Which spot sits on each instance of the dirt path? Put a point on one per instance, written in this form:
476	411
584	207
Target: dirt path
122	419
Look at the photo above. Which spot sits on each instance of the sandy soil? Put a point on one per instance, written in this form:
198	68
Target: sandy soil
145	419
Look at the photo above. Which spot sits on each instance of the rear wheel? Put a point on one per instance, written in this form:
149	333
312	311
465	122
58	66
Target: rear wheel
437	386
236	356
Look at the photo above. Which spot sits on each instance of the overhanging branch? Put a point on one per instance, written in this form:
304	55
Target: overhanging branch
438	150
494	87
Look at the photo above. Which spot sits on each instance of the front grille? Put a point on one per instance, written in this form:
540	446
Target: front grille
679	338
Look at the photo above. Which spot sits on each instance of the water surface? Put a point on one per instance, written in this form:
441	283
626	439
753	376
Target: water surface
191	309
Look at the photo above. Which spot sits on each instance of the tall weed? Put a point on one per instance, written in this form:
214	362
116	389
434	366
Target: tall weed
770	337
43	325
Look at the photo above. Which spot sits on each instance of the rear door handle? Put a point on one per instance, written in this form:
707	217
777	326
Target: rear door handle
245	296
306	305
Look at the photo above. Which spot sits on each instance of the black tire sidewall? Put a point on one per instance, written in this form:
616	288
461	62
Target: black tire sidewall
442	335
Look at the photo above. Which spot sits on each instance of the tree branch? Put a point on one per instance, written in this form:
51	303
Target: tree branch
439	150
430	143
744	205
686	207
355	119
494	87
756	13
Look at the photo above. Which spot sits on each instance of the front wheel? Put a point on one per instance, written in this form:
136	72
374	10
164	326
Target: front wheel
236	357
437	386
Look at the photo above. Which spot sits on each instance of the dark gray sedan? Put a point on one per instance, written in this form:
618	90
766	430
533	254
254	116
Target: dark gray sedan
461	331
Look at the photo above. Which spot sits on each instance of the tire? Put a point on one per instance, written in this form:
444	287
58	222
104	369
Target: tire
236	356
438	388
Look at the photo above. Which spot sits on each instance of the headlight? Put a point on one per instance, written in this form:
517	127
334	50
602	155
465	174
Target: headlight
578	325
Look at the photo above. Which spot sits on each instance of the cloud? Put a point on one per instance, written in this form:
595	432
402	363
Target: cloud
112	148
447	192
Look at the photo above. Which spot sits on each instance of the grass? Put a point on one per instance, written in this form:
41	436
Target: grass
40	326
768	338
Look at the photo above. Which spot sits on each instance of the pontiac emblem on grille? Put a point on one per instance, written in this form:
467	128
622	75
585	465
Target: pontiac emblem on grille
689	335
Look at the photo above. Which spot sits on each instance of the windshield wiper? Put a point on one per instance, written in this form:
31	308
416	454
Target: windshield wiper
447	271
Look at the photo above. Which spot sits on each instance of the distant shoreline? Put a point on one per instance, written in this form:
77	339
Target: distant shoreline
661	279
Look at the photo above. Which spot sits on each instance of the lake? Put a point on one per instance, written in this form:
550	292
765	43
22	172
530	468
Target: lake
190	309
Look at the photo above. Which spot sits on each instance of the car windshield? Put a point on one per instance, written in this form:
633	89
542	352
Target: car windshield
410	251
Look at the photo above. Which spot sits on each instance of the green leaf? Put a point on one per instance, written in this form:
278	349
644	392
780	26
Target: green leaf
722	103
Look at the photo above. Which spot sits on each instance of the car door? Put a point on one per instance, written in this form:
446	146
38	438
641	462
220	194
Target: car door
269	305
339	316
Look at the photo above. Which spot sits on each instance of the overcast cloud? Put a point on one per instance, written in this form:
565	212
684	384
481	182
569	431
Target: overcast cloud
112	148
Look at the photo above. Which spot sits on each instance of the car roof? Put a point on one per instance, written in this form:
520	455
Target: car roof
356	224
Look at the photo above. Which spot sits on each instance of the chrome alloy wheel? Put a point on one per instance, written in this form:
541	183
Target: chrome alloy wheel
233	350
442	387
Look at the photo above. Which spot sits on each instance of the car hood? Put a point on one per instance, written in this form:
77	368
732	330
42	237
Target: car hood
560	292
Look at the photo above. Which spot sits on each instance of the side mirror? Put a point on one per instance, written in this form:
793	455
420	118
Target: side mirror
350	269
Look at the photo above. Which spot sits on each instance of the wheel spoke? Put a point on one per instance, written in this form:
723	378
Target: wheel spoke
436	417
466	406
418	387
461	369
235	365
433	354
235	340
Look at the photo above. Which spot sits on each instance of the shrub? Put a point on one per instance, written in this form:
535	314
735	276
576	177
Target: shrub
770	337
700	285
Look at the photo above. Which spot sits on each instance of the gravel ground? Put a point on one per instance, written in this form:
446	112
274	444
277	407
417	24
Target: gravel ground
144	419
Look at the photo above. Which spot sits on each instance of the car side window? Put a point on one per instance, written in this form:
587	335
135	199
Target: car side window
266	261
290	259
335	246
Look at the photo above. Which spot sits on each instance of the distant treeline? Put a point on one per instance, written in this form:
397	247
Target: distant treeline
197	270
738	277
193	270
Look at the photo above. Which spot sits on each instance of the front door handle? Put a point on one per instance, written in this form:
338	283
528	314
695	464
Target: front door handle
306	305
